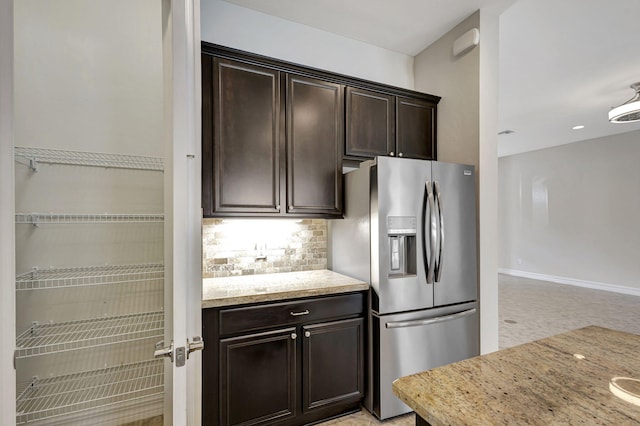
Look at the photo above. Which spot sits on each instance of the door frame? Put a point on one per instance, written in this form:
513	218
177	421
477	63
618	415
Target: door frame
183	214
7	219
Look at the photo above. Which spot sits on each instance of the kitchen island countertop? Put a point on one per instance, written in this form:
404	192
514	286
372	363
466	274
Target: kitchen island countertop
244	289
563	379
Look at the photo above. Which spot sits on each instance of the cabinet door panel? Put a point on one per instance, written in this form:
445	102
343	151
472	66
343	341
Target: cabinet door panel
416	129
370	124
315	126
258	378
246	134
333	363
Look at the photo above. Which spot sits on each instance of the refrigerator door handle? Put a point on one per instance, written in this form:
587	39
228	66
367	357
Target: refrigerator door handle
438	264
429	226
428	321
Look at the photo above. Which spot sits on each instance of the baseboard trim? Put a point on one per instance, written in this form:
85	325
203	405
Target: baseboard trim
572	281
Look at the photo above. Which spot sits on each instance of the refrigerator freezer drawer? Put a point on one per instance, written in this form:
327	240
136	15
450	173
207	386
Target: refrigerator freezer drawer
411	342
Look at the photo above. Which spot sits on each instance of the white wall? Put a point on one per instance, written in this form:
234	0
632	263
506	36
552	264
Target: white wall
89	76
570	213
245	29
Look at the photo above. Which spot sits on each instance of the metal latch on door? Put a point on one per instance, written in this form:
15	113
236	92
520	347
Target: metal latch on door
181	354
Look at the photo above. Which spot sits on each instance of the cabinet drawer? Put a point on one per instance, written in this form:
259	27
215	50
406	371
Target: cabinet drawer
238	320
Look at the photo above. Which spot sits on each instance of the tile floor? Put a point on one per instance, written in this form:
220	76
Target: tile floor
529	310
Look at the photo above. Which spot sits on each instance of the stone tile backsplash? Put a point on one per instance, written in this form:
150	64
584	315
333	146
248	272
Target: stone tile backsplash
261	246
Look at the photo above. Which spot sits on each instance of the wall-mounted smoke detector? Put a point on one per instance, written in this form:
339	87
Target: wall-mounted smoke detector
629	111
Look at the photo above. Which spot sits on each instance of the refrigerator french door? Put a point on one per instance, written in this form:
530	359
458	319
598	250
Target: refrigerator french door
106	160
410	231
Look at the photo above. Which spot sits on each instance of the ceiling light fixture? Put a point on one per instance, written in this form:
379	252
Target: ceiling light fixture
629	111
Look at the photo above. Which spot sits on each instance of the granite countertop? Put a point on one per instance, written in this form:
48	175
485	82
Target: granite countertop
271	287
563	379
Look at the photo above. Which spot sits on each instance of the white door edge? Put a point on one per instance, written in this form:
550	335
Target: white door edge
7	219
183	235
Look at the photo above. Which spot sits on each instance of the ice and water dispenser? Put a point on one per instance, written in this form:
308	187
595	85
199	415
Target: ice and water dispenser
401	231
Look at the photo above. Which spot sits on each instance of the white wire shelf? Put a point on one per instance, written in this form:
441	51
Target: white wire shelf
33	156
61	218
88	276
42	339
63	395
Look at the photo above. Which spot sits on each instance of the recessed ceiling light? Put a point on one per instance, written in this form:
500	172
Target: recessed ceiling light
578	127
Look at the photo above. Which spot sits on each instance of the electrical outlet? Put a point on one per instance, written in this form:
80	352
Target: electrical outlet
261	249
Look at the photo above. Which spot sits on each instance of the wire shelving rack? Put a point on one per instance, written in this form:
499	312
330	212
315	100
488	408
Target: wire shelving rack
90	275
64	218
34	156
41	339
45	398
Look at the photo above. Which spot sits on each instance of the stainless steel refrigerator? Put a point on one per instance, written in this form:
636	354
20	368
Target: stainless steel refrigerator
410	231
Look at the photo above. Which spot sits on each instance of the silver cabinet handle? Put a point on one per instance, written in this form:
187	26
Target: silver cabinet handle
297	314
399	154
402	324
307	334
392	153
438	265
294	336
278	207
429	226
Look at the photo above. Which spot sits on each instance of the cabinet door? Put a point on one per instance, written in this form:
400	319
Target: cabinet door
370	124
258	378
332	363
416	128
241	138
315	126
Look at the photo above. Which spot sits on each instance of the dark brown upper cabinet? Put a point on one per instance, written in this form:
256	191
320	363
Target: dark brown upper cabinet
415	130
271	141
274	134
314	141
241	137
384	124
371	120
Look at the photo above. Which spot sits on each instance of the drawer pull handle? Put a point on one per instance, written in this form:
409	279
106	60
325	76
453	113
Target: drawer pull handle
297	314
307	334
294	336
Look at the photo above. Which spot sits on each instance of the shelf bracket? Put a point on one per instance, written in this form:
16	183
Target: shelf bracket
33	164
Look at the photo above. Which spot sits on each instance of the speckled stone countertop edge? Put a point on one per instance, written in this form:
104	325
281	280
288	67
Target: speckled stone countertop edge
474	391
230	291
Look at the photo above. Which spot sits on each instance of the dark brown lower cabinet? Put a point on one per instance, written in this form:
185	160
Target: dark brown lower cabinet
285	363
258	378
332	363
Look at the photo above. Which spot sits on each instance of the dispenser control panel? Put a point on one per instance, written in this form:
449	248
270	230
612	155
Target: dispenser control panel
401	231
